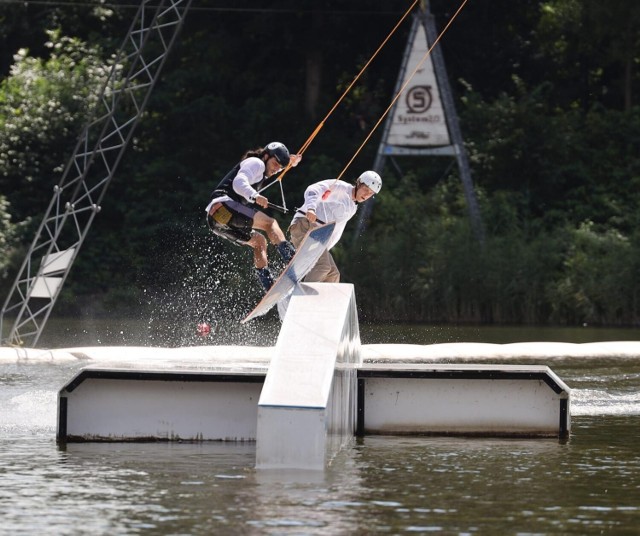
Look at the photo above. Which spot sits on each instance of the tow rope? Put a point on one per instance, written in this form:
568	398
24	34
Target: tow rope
404	85
384	114
315	132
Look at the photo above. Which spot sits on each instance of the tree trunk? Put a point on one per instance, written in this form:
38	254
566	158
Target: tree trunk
314	65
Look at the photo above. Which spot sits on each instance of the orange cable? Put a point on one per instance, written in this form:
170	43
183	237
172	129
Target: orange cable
402	89
346	91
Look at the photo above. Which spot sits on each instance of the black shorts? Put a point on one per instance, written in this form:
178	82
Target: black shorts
232	220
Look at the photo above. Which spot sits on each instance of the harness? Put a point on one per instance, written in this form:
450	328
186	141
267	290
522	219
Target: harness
225	187
220	219
215	219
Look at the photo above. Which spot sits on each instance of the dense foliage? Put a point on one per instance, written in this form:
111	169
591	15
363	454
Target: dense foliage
546	92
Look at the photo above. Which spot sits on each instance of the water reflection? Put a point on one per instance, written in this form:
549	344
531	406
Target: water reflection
309	502
180	331
435	334
263	331
589	484
489	485
176	485
380	484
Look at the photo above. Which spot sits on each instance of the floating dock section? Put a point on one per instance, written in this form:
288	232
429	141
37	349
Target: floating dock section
138	405
465	400
308	396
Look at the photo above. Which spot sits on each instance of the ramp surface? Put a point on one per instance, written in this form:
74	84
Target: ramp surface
307	408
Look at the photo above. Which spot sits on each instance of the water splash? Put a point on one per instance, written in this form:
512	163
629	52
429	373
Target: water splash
33	410
600	402
206	280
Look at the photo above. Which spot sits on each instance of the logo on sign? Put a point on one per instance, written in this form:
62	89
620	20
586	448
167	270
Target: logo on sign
419	99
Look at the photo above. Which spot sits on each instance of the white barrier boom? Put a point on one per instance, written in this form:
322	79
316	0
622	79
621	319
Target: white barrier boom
307	408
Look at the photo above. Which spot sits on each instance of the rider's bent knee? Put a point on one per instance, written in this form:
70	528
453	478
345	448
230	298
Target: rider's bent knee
258	242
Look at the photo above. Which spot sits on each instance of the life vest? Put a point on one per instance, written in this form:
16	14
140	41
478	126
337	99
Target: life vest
225	187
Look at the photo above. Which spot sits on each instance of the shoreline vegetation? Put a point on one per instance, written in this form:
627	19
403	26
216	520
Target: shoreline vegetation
548	110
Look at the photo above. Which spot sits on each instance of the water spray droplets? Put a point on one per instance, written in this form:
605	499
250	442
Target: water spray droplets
216	290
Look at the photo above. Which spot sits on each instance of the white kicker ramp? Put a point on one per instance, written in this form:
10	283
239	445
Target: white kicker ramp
308	405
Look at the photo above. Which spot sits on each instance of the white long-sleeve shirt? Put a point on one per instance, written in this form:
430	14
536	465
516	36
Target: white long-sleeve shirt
251	172
332	201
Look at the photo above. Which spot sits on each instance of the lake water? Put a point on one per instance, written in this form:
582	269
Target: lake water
589	484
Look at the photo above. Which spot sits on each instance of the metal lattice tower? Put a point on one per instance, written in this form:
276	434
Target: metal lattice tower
76	199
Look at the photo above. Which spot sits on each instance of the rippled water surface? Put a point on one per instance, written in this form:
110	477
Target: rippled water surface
589	484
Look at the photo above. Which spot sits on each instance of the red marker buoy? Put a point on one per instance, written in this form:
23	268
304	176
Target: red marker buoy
203	329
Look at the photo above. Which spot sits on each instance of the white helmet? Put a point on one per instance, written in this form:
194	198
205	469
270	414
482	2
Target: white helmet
372	180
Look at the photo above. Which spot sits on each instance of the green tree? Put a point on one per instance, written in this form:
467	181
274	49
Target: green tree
43	105
24	25
597	45
7	234
551	133
599	279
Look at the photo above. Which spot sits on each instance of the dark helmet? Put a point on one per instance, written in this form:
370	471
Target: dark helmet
279	152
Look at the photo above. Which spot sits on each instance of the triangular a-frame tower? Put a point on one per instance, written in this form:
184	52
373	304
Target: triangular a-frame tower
423	120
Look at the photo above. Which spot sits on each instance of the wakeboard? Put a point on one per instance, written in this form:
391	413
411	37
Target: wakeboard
305	258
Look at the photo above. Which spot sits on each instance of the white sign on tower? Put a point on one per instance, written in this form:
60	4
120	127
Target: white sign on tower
423	121
419	117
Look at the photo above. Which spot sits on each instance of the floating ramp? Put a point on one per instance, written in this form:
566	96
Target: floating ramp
306	398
